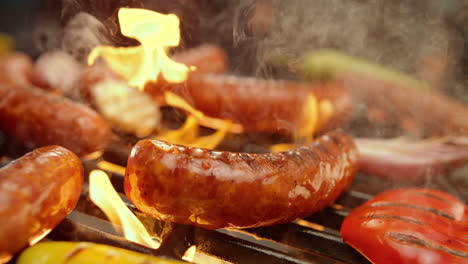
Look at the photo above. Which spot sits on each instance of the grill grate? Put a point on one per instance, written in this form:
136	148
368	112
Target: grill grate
314	239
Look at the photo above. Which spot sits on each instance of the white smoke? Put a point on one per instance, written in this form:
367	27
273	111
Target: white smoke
397	33
81	34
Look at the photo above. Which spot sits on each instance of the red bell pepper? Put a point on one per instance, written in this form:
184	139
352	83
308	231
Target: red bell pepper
416	225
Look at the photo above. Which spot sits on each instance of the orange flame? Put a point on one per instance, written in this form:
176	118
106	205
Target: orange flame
138	65
142	64
193	255
108	166
103	194
215	123
314	115
187	135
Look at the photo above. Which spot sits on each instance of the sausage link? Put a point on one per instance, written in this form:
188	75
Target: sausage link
37	118
216	189
16	68
434	113
37	191
206	58
263	105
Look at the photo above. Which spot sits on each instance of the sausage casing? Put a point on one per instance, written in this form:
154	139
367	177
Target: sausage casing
16	68
206	58
215	189
38	118
434	113
263	105
37	191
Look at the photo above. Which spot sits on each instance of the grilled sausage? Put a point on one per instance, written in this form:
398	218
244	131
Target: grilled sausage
16	68
38	118
434	113
263	105
215	189
206	58
37	191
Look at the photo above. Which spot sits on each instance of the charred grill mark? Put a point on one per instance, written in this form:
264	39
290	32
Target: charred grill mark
426	209
408	239
433	196
394	217
76	251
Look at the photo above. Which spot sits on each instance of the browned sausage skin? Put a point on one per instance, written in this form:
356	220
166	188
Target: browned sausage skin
216	189
37	118
206	58
434	113
259	105
16	68
37	191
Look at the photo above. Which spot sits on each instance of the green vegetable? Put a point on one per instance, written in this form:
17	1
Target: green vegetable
332	64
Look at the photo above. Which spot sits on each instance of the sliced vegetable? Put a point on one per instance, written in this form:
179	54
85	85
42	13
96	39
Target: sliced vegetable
416	225
402	159
334	63
412	103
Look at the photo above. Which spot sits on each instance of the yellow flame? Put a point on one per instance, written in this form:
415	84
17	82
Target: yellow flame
138	65
314	115
187	135
215	123
104	165
103	194
309	118
281	147
308	224
193	255
6	44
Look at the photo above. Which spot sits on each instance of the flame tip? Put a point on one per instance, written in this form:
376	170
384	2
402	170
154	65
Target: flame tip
103	194
142	64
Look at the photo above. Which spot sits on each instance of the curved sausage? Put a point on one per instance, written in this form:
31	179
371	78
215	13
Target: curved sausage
263	105
37	191
434	113
215	189
16	68
38	118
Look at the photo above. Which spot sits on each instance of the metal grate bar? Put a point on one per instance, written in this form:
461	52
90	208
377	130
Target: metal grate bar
316	241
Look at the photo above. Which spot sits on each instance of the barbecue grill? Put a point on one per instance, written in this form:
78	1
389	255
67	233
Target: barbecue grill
314	239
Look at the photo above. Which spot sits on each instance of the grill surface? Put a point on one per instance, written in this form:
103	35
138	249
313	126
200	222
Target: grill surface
314	239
